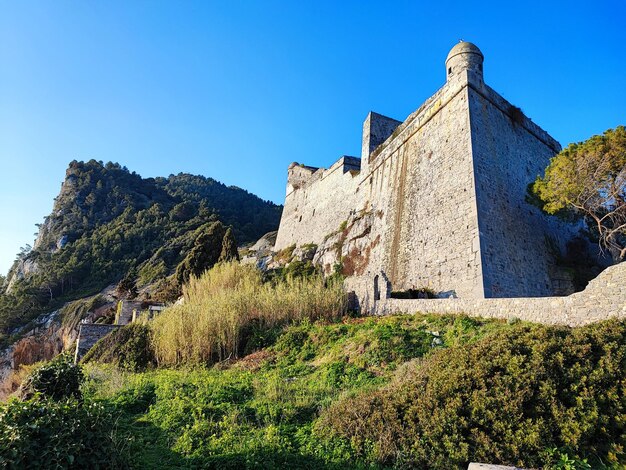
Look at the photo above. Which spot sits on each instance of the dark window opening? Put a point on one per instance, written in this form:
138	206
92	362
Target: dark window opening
449	70
376	289
422	293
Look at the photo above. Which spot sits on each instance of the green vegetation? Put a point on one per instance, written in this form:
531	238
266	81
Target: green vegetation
588	180
272	374
285	255
48	434
109	224
205	252
505	399
58	379
129	348
399	391
230	306
260	411
54	428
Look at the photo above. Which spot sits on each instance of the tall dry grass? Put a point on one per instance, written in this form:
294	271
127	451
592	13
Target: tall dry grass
230	298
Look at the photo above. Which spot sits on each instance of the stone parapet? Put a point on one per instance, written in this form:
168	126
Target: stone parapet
604	298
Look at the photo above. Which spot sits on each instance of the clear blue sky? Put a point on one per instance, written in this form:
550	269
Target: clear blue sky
237	90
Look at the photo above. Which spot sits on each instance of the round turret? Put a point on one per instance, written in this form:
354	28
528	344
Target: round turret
464	56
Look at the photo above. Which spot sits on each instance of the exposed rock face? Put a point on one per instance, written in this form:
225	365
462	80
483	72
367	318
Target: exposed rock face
45	340
347	250
265	244
305	252
47	336
23	268
260	253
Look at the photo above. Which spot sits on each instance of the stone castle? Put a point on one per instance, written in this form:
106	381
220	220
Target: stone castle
437	201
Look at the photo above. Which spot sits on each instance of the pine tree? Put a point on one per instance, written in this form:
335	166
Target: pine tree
229	247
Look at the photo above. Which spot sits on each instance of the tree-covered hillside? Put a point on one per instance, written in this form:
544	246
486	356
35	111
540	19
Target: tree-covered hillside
108	223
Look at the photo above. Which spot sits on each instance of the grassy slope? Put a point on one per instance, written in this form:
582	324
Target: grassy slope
259	412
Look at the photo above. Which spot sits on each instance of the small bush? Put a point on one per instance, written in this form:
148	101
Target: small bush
503	399
129	348
285	255
295	269
42	434
58	379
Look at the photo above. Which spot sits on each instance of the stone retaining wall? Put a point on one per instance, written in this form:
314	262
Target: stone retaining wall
88	335
604	297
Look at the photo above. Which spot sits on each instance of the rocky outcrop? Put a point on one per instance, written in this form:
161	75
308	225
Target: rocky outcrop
49	335
265	244
261	252
42	341
23	268
345	250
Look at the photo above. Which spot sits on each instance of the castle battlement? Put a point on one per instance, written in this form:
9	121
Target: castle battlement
448	187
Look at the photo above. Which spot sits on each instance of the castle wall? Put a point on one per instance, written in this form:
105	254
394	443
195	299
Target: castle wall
440	199
509	151
315	206
423	183
603	298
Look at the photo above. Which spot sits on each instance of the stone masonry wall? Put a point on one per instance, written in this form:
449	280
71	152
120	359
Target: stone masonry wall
509	151
443	194
604	298
426	193
126	309
88	335
319	204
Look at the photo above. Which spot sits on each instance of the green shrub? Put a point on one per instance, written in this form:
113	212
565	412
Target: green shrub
259	412
57	379
129	348
559	460
503	399
205	252
73	312
42	434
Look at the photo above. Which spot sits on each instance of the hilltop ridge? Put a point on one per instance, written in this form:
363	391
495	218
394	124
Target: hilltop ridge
108	223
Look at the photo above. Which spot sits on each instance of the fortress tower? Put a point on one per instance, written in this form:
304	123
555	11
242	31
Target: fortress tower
438	200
